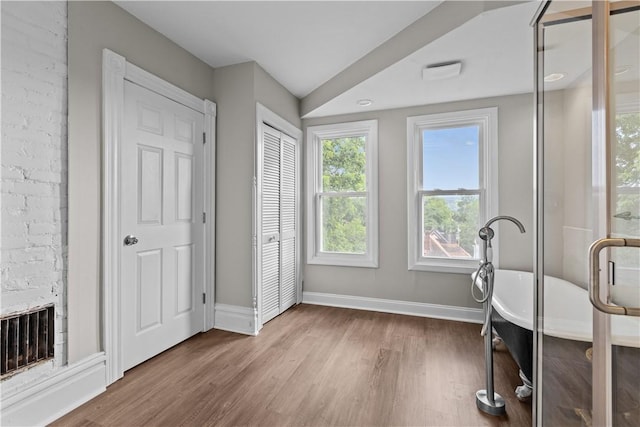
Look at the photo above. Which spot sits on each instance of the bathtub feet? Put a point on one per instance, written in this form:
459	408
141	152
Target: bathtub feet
524	391
496	342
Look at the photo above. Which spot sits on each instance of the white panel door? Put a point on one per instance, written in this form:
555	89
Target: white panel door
279	261
162	204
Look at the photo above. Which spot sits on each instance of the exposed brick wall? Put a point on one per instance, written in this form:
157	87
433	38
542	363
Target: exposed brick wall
33	183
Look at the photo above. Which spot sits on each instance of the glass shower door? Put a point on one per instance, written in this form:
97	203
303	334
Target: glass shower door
588	189
624	262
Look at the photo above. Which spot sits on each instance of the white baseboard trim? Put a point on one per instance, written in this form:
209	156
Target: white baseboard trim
60	393
233	318
421	309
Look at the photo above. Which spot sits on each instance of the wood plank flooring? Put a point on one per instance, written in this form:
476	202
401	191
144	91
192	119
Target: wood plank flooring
314	366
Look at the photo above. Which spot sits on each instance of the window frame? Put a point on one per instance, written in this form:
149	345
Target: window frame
487	119
315	134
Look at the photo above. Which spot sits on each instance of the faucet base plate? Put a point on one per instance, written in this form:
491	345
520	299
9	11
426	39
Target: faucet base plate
495	408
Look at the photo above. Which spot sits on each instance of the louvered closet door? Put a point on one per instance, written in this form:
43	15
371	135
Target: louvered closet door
279	246
288	223
270	224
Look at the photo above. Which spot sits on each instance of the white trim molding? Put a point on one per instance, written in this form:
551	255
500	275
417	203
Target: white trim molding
115	70
210	113
233	318
59	394
420	309
264	115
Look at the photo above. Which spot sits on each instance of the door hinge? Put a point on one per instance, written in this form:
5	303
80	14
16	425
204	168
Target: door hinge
204	137
204	298
204	217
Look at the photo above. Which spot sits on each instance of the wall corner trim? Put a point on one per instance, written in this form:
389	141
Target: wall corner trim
46	401
420	309
233	318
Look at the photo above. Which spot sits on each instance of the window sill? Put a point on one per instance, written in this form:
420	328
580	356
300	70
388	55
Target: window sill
343	261
460	267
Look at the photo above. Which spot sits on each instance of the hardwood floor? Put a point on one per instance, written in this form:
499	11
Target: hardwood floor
316	366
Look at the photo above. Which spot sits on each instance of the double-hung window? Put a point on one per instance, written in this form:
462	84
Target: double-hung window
452	187
342	194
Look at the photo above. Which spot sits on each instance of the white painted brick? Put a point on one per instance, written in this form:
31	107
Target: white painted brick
14	156
42	202
34	166
45	281
44	176
13	173
39	240
13	201
52	17
36	214
40	228
28	83
13	223
30	255
32	269
37	39
12	242
32	188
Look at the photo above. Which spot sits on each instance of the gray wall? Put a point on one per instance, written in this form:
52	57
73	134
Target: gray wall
92	27
237	88
233	86
392	280
275	97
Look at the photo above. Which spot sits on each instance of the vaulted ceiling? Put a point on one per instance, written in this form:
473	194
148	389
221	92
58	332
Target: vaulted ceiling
331	54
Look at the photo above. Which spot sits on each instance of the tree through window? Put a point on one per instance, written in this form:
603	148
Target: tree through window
342	188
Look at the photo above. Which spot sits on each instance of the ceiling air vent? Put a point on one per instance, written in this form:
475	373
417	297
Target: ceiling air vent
443	70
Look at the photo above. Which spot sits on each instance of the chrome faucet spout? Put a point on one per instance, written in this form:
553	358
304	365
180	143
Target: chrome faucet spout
508	218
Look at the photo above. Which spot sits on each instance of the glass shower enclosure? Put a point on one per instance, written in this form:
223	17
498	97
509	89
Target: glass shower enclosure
587	222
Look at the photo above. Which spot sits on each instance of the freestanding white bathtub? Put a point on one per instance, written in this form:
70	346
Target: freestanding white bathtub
567	314
567	309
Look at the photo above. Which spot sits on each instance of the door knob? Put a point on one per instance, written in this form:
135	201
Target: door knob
130	240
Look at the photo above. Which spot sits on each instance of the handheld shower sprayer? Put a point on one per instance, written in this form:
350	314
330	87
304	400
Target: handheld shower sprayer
485	269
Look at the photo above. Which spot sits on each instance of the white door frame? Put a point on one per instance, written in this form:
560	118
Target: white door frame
115	70
264	115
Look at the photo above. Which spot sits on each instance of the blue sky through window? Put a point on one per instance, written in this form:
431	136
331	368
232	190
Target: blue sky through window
450	158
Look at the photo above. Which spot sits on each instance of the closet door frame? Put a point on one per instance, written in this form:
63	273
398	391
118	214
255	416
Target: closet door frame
264	116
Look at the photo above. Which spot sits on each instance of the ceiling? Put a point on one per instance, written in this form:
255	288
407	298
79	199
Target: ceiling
496	52
303	44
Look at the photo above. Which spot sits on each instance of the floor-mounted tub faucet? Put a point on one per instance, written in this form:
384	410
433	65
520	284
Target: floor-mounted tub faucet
488	400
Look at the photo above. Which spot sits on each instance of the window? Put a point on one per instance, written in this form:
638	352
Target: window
342	194
452	187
